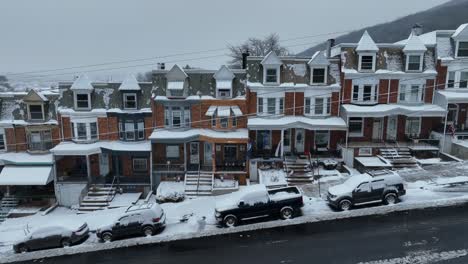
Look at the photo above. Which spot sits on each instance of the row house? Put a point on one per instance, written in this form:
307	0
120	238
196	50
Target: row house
105	129
200	125
28	130
387	97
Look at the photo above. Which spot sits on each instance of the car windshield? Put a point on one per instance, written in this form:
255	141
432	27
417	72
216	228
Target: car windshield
354	181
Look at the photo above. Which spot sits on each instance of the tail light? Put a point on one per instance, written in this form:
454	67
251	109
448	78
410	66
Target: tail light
155	220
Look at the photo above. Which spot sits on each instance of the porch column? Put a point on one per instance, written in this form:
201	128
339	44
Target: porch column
346	139
282	143
88	168
213	157
151	169
185	156
445	130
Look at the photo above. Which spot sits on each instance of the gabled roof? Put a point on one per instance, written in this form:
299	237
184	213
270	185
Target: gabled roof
35	96
366	43
176	74
414	44
130	84
82	83
271	59
224	73
319	58
461	32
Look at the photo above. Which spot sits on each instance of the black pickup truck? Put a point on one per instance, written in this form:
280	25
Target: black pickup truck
256	201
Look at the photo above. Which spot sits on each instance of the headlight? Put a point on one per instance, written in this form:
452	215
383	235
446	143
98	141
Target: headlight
218	214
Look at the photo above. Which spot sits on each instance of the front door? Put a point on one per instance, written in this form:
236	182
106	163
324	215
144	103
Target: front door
104	164
208	154
194	153
300	134
377	129
392	128
287	140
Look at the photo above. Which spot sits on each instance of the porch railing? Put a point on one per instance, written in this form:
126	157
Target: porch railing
168	168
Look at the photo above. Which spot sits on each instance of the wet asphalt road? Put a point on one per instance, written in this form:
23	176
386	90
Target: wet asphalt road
424	236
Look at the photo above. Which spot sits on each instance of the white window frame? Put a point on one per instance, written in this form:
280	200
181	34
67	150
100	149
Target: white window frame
139	160
325	78
365	54
125	100
29	111
365	152
458	47
408	88
87	123
407	126
326	106
219	91
421	58
356	134
457	79
360	99
262	106
447	81
278	74
75	99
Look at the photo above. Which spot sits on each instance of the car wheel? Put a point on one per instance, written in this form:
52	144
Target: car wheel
23	248
106	237
390	199
230	221
345	205
286	213
148	231
65	242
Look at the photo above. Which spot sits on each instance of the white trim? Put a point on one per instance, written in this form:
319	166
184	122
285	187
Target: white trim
87	122
325	80
76	93
125	101
326	111
278	73
406	125
457	46
407	92
139	159
29	112
361	54
421	58
360	99
265	105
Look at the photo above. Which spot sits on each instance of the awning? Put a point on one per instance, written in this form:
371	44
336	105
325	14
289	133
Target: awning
331	123
454	97
382	110
181	136
236	110
77	149
224	111
26	175
211	110
175	85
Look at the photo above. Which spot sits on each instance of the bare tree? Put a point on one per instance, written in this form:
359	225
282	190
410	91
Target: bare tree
256	47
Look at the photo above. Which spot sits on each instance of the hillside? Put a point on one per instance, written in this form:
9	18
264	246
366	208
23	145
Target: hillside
446	16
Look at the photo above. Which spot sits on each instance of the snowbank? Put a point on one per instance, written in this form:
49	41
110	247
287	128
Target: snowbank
170	192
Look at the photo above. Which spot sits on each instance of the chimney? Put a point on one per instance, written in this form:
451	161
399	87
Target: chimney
417	29
163	66
330	44
244	59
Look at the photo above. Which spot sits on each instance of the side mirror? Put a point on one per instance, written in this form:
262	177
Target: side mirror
117	223
241	203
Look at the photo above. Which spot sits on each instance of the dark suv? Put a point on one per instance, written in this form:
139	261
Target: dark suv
383	186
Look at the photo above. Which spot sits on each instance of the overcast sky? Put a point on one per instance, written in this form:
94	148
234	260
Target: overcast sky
47	34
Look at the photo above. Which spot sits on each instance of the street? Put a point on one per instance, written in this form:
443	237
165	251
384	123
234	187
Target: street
423	236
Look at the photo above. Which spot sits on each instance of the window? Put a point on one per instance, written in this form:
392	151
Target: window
82	135
260	105
462	49
130	130
413	126
452	114
271	75
167	116
213	120
307	105
367	62
271	104
187	116
224	122
414	63
93	130
82	131
176	92
320	105
355	126
130	101
224	93
82	101
141	130
140	164
230	152
172	151
36	112
176	118
234	121
451	79
319	75
2	140
263	139
366	93
365	152
322	139
281	106
463	79
411	93
39	140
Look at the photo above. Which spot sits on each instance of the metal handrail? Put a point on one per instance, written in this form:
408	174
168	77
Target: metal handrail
198	180
110	189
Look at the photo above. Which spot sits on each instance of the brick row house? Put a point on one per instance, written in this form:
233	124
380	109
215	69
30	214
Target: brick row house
105	128
28	130
199	126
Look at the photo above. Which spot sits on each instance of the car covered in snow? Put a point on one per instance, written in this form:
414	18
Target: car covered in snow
52	237
138	220
256	201
383	186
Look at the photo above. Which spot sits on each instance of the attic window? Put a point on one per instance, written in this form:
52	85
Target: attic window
36	112
130	101
319	75
271	75
82	101
367	62
414	63
462	49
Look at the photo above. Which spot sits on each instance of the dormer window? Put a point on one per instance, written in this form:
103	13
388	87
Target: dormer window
130	101
36	111
319	75
366	62
414	62
462	50
82	101
271	75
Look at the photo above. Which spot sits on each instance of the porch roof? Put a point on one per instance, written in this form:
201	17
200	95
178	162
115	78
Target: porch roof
330	123
181	136
24	158
77	149
454	96
26	175
382	110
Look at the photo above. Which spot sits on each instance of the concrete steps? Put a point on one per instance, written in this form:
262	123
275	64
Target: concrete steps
198	184
97	198
399	157
298	171
8	203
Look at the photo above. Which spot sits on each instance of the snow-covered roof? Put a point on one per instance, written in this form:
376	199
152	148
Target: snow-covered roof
271	59
461	32
82	83
366	43
382	110
224	111
454	96
176	73
175	136
236	110
298	86
175	85
414	44
130	84
428	39
444	48
72	148
224	73
35	95
374	162
319	58
211	110
26	175
330	123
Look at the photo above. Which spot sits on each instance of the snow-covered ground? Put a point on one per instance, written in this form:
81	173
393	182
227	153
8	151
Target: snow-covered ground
421	193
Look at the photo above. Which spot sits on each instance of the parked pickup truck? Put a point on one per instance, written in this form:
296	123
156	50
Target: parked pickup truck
257	201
